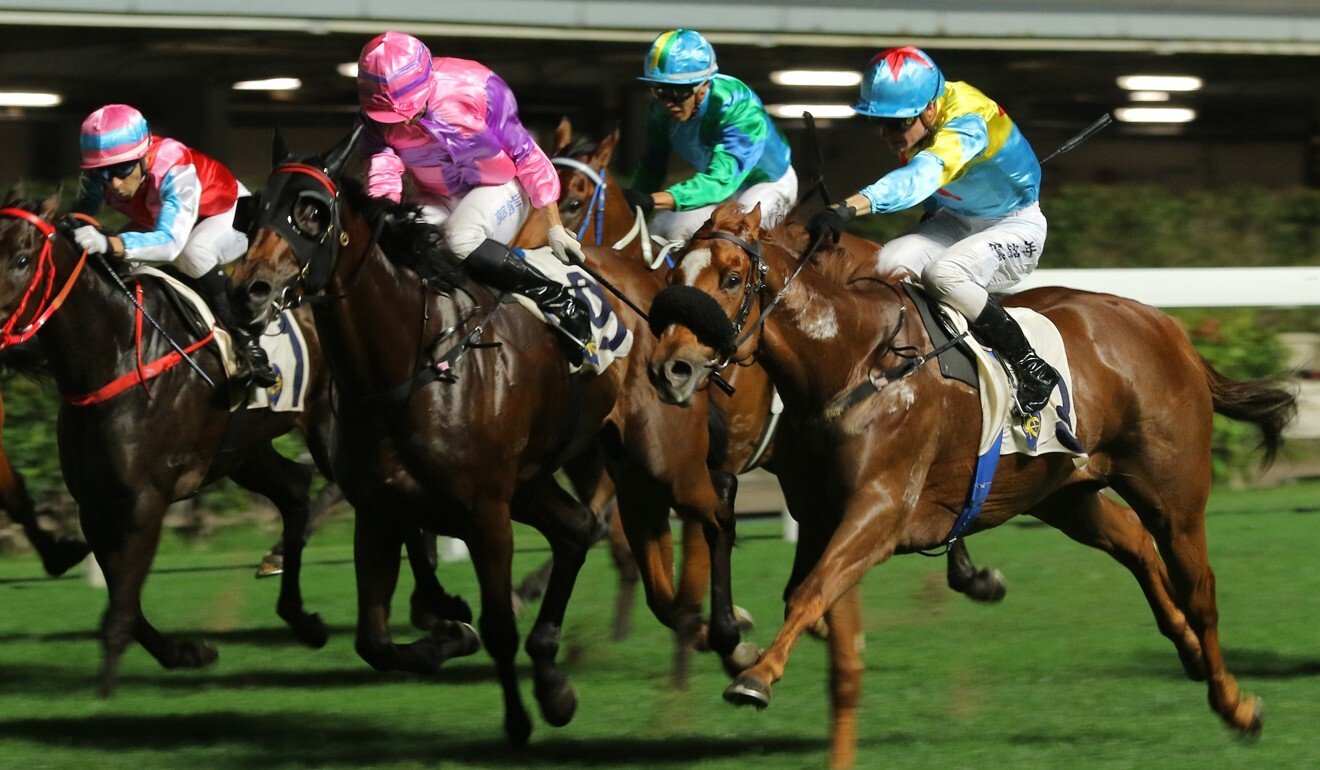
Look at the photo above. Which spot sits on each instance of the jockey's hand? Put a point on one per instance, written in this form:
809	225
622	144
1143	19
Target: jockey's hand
565	246
829	224
92	241
639	200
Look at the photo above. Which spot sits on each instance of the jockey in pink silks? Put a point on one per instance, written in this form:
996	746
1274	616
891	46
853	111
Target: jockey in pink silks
180	204
452	126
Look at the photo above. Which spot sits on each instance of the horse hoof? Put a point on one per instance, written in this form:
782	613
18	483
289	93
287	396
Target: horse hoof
457	638
557	700
272	564
988	586
1250	728
744	619
311	631
517	728
748	691
743	657
63	555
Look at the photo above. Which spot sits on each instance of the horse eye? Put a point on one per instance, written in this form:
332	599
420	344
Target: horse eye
21	261
573	206
309	217
732	281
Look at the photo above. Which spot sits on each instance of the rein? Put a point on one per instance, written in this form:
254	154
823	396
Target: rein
43	282
597	204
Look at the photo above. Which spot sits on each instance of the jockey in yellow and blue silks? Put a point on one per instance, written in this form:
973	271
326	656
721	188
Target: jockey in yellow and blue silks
719	126
967	163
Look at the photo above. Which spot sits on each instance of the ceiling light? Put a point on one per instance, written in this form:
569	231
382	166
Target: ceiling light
816	77
1159	83
822	111
269	84
29	99
348	69
1149	96
1155	114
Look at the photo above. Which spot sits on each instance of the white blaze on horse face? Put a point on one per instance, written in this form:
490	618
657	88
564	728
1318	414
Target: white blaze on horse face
815	315
695	261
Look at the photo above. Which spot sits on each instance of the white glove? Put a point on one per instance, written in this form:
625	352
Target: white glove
92	240
565	246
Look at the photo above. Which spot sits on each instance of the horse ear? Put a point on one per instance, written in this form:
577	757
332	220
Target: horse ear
753	219
334	160
279	151
563	135
605	150
52	204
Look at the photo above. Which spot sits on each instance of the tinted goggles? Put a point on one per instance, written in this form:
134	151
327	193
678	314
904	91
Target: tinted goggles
674	94
117	170
892	125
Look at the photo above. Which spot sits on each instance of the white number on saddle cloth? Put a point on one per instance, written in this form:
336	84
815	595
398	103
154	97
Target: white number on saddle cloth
610	337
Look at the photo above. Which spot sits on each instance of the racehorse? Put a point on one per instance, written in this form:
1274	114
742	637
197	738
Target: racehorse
890	474
126	457
592	204
463	457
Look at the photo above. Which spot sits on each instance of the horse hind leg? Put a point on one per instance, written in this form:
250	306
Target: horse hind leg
571	529
326	500
1171	503
430	606
286	483
1090	518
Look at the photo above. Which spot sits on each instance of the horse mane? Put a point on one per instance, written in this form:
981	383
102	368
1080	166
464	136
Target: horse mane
407	240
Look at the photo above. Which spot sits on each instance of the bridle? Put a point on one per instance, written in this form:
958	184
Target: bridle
317	256
43	283
596	205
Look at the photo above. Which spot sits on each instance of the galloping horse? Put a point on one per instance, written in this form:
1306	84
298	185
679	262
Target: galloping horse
891	474
127	457
463	458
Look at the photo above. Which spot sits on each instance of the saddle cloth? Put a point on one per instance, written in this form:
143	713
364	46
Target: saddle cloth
1053	430
610	338
282	340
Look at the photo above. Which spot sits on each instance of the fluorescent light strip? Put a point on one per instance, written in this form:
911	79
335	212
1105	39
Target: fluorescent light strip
839	78
1159	82
1149	96
29	99
822	111
1154	114
348	69
269	84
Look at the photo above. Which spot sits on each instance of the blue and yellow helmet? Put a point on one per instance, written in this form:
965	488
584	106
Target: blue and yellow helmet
899	83
679	57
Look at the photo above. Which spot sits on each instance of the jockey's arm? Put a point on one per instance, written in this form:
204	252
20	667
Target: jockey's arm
741	143
951	148
384	167
538	176
180	197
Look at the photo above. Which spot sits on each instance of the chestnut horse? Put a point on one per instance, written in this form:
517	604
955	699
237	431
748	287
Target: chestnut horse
891	474
126	458
462	457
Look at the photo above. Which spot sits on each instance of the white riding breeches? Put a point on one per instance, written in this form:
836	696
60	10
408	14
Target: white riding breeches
496	212
961	259
776	199
213	242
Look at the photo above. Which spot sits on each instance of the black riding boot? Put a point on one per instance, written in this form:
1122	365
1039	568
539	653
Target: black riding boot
215	289
494	265
1035	378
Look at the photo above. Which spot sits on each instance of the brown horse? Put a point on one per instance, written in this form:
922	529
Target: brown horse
890	475
128	457
463	457
591	203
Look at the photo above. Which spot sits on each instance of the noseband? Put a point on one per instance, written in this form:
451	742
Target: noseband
43	282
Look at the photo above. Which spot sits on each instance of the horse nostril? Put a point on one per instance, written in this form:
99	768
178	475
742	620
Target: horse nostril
678	371
258	291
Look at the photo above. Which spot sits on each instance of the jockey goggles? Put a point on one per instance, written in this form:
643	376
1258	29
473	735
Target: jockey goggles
117	170
892	125
674	94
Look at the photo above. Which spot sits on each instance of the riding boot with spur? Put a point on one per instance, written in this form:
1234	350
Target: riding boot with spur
215	289
495	265
1036	379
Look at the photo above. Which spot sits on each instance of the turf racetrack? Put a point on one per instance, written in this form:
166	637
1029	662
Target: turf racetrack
1068	671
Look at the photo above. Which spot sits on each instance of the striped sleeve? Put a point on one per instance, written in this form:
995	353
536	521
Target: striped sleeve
180	196
743	131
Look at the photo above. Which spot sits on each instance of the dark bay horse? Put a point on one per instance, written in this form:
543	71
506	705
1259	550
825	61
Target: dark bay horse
127	458
891	474
464	457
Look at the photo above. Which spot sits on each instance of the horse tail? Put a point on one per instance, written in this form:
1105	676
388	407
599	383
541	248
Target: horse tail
1262	402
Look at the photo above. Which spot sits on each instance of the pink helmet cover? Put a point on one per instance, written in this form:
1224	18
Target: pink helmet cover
394	77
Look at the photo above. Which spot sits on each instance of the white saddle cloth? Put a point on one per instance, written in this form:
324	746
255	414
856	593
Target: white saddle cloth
610	338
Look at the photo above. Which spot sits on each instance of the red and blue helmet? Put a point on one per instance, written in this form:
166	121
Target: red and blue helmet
116	133
679	57
899	83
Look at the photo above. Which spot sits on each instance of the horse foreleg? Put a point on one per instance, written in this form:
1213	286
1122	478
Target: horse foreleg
644	517
569	527
287	484
845	647
626	566
690	628
981	585
318	514
57	554
430	605
491	546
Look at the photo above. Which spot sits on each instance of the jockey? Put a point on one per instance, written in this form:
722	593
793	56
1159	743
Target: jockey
452	125
967	163
181	205
719	126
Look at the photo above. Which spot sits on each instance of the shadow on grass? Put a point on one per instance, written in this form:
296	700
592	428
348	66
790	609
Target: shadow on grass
266	636
325	739
1255	664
